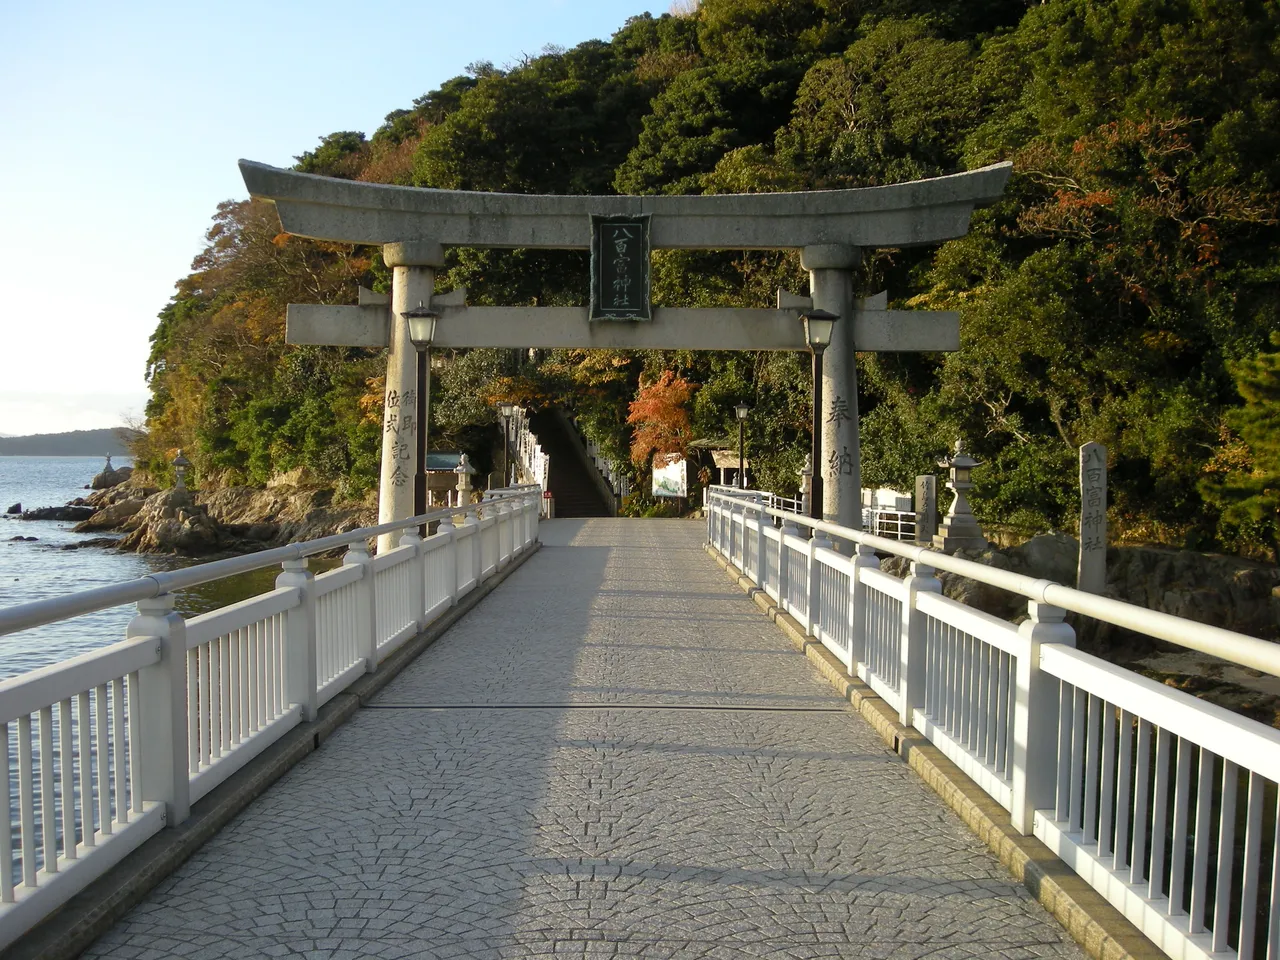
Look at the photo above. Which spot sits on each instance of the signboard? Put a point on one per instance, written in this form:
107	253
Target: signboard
620	268
670	479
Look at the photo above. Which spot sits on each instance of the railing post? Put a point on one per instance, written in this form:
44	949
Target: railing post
300	638
912	663
162	709
864	558
417	583
1035	717
812	611
451	567
366	604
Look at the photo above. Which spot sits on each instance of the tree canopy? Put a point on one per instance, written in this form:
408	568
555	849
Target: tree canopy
1123	291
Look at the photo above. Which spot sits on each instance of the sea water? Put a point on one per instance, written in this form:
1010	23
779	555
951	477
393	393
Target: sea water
46	568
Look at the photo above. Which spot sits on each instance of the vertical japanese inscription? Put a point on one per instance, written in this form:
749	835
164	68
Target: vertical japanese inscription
1092	572
399	421
620	268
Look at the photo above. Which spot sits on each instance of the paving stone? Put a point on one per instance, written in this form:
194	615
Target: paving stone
613	812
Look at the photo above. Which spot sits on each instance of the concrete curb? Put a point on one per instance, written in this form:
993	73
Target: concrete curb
92	912
1092	922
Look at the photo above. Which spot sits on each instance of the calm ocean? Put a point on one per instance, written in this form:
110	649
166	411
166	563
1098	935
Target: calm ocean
36	571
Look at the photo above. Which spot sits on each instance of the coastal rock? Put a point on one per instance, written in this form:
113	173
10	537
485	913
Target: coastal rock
14	508
111	478
59	513
111	517
171	522
92	542
23	539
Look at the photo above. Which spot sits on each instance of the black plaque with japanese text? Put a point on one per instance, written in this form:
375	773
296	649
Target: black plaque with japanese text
620	268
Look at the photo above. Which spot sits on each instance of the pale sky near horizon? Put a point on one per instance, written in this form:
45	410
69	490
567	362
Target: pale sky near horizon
122	125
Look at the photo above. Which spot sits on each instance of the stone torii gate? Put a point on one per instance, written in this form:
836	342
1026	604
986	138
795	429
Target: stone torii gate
830	228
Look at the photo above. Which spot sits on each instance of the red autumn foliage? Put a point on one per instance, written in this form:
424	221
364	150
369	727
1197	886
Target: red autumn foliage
660	416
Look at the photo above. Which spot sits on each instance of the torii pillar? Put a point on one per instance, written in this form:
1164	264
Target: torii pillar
831	269
413	280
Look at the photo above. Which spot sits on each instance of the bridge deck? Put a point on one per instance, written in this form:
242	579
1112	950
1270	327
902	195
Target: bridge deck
562	775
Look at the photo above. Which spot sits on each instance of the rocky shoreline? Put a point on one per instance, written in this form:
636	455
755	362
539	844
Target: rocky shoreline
222	521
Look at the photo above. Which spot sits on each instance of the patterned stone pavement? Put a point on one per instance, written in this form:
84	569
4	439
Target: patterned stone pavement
567	773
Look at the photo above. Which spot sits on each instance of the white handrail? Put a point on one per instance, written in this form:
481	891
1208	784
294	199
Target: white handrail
113	745
1079	751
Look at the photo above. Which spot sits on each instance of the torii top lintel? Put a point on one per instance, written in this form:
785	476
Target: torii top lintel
900	215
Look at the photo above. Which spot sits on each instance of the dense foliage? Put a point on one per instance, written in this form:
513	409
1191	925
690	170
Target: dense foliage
1120	292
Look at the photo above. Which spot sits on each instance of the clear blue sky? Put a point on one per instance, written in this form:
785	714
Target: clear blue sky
122	124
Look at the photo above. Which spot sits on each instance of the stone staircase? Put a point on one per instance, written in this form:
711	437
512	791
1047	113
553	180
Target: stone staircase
572	484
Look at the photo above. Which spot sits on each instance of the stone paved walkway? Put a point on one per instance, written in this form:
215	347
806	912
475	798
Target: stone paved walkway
559	776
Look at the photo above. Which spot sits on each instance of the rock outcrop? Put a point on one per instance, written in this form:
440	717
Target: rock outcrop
228	520
69	512
111	477
171	522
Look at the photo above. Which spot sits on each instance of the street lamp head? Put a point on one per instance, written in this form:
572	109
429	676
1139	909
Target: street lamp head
507	410
741	410
422	324
818	327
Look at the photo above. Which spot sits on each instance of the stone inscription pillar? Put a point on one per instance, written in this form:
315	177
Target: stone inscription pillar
831	269
413	264
1091	571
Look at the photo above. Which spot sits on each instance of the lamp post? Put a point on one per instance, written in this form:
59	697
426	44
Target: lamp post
422	330
740	411
818	327
507	410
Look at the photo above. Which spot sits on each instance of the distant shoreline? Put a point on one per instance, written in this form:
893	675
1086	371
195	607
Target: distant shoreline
113	441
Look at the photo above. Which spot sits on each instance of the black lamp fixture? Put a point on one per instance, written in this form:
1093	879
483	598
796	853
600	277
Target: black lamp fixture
818	328
507	410
740	411
422	330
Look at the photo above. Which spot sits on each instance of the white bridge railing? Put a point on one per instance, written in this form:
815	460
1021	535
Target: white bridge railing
535	464
1165	804
100	752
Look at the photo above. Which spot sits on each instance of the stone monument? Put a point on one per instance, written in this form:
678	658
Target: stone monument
1091	573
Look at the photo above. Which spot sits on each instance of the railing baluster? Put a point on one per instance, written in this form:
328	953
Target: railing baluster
1181	818
66	751
118	751
1093	744
1252	869
6	833
83	728
1159	816
1226	860
1203	831
1107	792
48	805
104	759
26	801
1124	784
135	745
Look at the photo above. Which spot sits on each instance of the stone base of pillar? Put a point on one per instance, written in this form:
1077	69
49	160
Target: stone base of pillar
959	536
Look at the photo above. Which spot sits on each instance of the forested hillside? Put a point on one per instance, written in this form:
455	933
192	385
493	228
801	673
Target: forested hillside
1126	282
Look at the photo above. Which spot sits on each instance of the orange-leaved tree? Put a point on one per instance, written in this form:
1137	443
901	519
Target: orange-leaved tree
660	416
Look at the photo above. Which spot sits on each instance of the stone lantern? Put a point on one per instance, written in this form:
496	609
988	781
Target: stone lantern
464	470
960	529
806	484
180	467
